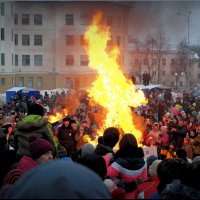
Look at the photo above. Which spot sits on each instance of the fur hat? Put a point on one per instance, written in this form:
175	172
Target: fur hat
35	109
39	146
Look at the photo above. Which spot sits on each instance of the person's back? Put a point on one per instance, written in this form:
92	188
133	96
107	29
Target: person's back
32	124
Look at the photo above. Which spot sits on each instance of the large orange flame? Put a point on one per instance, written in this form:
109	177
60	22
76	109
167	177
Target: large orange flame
112	90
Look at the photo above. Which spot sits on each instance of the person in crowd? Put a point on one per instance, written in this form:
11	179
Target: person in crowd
33	124
110	139
188	148
41	152
7	156
9	135
168	152
149	186
129	164
167	171
181	132
153	134
196	145
61	180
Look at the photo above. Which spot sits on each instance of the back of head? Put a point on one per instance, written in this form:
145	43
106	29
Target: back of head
111	136
35	109
128	146
75	182
192	174
169	170
176	190
95	163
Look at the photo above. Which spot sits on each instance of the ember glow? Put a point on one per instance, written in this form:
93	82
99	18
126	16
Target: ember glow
112	90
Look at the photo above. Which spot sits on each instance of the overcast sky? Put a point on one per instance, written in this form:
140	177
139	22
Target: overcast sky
147	15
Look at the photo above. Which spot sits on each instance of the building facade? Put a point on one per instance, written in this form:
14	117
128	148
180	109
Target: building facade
171	67
42	46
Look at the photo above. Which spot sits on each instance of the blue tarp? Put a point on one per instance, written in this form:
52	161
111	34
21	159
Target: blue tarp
22	90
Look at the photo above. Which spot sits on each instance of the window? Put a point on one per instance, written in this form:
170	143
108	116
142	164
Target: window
69	83
16	60
25	19
25	60
145	61
82	41
172	84
39	82
2	34
2	9
38	61
37	19
21	81
84	19
199	65
69	39
163	61
190	62
25	40
70	60
172	61
154	61
3	81
198	75
2	59
16	39
109	21
163	73
69	19
13	81
84	60
38	40
118	40
119	21
154	73
30	82
16	18
181	83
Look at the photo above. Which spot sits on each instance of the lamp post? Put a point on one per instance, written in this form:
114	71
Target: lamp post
188	43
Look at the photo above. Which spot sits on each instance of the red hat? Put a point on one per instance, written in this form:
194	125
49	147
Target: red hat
39	146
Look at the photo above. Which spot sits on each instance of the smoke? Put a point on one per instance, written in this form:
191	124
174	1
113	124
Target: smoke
146	16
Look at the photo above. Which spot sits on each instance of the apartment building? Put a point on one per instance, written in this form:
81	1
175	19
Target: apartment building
177	69
41	42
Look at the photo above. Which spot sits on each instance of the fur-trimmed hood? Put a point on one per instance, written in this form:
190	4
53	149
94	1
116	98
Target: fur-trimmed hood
31	123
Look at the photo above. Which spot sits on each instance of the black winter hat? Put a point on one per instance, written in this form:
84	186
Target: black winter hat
35	109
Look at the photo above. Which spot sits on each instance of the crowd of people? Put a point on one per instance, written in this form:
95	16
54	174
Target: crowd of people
69	159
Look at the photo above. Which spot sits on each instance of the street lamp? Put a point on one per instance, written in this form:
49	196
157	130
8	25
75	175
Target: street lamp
188	40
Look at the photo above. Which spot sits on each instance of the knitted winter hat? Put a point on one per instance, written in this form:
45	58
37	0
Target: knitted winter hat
39	146
35	109
87	149
62	152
